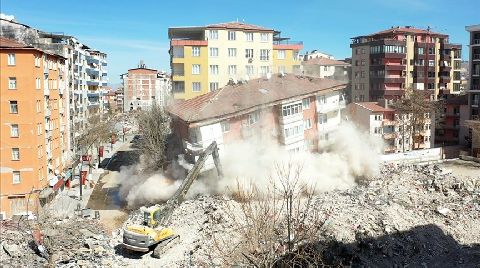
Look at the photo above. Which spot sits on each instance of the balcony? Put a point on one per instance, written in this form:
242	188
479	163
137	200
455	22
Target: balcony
394	67
92	59
445	79
193	148
189	43
475	87
328	126
286	44
93	83
290	118
291	139
389	136
390	148
387	122
93	71
394	79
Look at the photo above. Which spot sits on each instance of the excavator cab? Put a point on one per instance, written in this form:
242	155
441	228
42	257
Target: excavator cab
151	217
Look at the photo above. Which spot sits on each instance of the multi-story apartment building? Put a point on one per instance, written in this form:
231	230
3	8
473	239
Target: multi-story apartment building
474	90
144	87
206	58
85	76
119	98
298	112
383	121
32	124
327	68
384	64
450	128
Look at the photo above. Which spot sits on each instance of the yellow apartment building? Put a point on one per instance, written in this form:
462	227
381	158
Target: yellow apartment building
206	58
32	126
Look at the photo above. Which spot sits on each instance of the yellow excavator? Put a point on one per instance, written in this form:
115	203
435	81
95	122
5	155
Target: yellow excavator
152	233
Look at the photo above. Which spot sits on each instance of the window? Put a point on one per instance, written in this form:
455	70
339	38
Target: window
39	106
232	36
213	34
195	68
377	130
232	52
13	107
431	50
12	83
225	126
431	62
253	118
281	54
293	131
250	69
249	37
322	99
14	131
356	51
178	86
37	61
307	124
325	68
322	118
363	74
378	117
196	87
420	50
195	51
264	37
15	154
264	70
11	59
16	177
291	109
232	69
431	86
214	52
213	86
363	51
363	63
39	129
38	83
264	54
306	103
248	53
213	69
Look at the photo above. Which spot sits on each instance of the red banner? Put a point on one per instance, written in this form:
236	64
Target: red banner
100	151
83	176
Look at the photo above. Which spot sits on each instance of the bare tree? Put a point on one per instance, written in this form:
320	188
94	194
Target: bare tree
415	110
99	130
276	227
154	127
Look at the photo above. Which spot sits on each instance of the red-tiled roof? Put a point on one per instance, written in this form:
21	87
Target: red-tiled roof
406	30
235	99
325	62
374	107
238	25
9	43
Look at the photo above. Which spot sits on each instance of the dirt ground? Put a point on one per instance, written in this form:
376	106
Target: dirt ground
462	168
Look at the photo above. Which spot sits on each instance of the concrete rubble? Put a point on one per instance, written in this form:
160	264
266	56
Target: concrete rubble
410	215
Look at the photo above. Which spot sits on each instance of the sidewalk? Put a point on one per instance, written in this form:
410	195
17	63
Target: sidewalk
66	202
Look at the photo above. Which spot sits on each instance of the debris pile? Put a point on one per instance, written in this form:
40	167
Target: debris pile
410	215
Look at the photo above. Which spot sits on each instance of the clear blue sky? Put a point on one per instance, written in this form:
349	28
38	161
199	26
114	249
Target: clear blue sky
132	30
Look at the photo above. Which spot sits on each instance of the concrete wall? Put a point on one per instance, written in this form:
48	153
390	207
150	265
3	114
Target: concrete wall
417	156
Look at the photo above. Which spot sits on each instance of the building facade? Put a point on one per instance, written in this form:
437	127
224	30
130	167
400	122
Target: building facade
451	128
386	63
33	118
298	112
327	68
85	76
143	87
378	119
474	86
206	58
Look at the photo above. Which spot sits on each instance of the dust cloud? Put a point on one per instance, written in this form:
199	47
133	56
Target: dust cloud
350	155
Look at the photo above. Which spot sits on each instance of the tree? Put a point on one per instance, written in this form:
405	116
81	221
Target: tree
415	110
99	130
275	227
154	127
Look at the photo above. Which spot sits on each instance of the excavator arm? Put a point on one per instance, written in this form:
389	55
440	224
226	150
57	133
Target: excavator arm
192	175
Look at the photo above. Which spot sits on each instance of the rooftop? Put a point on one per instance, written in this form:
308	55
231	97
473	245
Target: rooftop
10	43
374	107
403	30
241	98
239	26
325	62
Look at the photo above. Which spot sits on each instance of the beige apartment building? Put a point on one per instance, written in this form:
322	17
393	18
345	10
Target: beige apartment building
386	63
206	58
